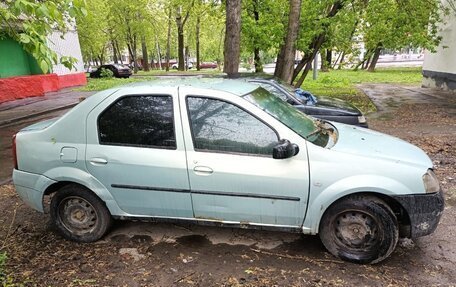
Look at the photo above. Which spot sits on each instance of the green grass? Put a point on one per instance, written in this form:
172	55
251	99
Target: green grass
342	83
107	83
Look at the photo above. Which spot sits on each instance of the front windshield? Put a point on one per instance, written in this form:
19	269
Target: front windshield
301	124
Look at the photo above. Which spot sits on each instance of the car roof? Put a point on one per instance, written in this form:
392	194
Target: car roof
237	87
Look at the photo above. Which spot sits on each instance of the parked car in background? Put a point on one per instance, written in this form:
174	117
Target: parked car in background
229	153
118	70
175	66
208	65
90	69
325	108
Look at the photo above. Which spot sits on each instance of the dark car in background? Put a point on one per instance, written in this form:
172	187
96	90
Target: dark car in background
323	108
119	71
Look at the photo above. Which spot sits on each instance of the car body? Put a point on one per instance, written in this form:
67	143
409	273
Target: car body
225	152
208	65
118	70
325	108
175	66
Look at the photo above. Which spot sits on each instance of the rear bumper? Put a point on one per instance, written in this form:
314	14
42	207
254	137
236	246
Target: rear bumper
30	187
424	211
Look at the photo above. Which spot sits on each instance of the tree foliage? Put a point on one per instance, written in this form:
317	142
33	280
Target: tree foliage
30	22
333	27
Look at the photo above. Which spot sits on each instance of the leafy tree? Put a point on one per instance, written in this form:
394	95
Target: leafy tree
315	28
394	25
262	27
130	18
30	22
94	41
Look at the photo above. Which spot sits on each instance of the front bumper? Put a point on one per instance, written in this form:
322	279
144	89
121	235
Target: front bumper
424	211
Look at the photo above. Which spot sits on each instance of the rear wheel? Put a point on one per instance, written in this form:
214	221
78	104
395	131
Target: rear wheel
360	229
79	215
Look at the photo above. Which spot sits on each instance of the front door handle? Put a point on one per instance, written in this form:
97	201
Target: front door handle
98	161
203	170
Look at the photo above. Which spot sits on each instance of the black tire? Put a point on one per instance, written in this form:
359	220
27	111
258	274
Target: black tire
360	229
79	215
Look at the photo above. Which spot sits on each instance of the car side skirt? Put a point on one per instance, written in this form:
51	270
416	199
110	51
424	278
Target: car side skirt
213	222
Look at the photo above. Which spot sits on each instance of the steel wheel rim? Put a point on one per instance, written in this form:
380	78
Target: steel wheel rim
77	215
356	230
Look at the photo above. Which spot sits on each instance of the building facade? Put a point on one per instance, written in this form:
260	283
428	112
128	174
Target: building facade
439	69
21	76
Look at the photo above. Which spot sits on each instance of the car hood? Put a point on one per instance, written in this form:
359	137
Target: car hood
337	105
372	144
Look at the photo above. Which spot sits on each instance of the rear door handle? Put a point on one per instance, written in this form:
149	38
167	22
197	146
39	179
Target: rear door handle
203	170
98	161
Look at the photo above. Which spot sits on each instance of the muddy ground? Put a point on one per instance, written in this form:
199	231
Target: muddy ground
148	254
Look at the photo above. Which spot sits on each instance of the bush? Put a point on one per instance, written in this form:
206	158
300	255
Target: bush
106	73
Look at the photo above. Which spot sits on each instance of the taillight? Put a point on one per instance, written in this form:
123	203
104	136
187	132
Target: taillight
14	153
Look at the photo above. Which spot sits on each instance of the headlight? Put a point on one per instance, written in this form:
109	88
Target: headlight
431	183
362	119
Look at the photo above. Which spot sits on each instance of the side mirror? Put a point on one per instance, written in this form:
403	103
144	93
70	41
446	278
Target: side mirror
284	149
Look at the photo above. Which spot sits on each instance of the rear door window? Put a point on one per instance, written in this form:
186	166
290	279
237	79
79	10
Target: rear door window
143	121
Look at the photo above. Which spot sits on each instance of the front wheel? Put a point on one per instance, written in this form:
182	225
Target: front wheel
360	229
79	215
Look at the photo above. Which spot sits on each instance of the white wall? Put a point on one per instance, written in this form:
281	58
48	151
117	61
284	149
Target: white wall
439	69
69	46
445	58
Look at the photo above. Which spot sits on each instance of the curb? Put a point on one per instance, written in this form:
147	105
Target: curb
8	122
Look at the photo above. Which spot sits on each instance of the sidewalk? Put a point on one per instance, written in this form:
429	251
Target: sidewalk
14	111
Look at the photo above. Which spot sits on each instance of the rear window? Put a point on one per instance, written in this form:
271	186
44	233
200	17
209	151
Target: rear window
143	121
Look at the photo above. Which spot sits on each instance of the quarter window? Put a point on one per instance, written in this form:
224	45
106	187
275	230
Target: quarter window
145	121
223	127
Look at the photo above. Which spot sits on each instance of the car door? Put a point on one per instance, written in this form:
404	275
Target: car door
135	149
233	177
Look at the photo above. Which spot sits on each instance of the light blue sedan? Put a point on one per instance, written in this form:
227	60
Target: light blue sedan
225	152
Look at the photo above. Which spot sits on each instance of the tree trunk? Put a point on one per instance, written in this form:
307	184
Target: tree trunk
304	74
219	57
279	62
186	55
232	47
158	53
145	54
180	34
289	49
326	61
132	50
180	39
339	61
168	40
256	50
198	19
375	58
118	51
257	60
114	52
